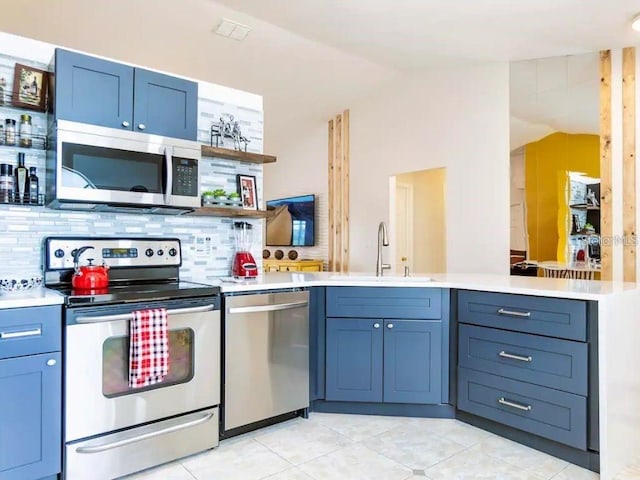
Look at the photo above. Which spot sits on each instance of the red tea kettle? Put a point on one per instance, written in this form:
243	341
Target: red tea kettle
88	277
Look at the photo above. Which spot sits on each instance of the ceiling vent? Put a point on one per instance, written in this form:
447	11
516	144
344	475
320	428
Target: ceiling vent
234	30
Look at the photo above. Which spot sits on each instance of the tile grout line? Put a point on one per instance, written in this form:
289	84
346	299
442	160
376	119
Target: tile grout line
188	471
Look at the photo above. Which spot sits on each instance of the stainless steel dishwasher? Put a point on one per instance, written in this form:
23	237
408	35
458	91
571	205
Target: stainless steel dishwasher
266	360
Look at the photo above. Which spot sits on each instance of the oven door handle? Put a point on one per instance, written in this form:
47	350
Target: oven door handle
268	308
145	436
129	316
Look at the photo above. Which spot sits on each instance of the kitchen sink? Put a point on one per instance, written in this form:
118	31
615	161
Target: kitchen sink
384	279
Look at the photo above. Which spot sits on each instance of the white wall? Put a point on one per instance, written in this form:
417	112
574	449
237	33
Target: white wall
458	119
302	168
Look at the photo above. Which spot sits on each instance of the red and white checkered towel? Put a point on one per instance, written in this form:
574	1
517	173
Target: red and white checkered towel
148	348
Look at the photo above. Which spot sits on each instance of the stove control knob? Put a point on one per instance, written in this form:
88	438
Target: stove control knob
173	252
160	252
148	252
59	253
73	253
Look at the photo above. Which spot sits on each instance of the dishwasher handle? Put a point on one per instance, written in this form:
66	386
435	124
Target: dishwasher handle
268	308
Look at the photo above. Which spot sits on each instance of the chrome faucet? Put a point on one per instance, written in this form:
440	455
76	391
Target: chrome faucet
383	240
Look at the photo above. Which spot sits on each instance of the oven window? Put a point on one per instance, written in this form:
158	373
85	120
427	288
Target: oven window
115	363
87	166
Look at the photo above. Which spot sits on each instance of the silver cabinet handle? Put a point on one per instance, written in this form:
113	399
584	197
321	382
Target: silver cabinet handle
129	316
376	325
389	325
168	175
268	308
51	362
24	333
125	124
142	126
145	436
512	313
512	356
519	406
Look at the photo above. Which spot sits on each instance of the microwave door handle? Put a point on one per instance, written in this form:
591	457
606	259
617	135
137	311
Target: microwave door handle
168	166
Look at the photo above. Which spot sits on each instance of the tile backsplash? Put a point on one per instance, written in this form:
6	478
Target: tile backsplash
207	242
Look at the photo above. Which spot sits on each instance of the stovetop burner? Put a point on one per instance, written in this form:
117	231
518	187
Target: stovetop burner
141	269
136	292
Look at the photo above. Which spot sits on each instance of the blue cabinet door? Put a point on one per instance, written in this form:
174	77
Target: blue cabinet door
92	90
30	417
165	105
354	359
412	361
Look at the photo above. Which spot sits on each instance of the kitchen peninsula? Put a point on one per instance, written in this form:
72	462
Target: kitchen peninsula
587	327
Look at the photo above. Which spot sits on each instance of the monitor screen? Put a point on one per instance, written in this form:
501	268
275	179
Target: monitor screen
291	222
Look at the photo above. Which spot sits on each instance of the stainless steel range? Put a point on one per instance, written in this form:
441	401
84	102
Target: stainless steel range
112	429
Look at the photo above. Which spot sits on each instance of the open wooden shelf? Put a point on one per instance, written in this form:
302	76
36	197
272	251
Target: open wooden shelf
229	154
212	211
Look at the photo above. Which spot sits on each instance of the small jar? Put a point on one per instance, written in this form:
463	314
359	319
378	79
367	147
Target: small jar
6	183
10	131
25	130
1	134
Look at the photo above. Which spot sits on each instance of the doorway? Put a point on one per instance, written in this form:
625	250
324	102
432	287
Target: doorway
417	221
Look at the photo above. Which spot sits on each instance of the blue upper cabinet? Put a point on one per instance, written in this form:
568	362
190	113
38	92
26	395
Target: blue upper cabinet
412	361
30	411
165	105
92	90
110	94
354	360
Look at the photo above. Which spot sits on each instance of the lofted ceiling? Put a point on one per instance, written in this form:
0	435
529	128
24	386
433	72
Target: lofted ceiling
414	34
311	59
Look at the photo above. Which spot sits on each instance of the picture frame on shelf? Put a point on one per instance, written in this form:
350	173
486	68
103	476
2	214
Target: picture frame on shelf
30	87
248	191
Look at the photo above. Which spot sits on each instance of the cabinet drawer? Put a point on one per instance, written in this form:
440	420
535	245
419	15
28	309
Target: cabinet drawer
552	317
25	331
549	362
546	412
384	302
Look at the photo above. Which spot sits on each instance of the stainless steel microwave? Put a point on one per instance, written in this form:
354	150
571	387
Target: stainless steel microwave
104	169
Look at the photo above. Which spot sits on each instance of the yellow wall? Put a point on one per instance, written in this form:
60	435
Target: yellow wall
547	163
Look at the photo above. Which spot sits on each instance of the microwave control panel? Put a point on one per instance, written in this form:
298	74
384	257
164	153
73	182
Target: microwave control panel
185	177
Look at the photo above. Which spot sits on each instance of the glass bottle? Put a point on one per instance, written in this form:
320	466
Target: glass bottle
32	186
20	182
10	131
6	183
25	130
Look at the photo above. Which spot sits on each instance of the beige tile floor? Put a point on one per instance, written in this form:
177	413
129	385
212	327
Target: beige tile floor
359	447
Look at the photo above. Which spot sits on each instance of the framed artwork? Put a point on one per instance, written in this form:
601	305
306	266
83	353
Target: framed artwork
30	87
248	191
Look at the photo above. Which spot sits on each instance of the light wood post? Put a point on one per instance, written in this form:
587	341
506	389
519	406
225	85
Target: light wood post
629	162
606	225
339	193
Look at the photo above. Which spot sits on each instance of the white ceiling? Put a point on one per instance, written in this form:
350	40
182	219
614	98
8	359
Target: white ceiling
554	94
409	34
311	59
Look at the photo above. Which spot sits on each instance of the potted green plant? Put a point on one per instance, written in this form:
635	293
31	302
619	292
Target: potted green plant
208	197
234	197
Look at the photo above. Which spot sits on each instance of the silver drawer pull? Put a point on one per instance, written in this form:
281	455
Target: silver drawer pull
511	356
24	333
502	311
519	406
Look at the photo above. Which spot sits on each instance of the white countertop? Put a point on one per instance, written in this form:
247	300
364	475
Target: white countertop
544	287
37	297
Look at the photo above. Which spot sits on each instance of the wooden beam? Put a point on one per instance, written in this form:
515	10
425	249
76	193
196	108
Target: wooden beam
606	226
338	194
629	162
345	191
332	223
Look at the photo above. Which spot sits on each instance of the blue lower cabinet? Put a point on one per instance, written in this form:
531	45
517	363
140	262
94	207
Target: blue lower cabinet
30	417
549	413
412	361
354	359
